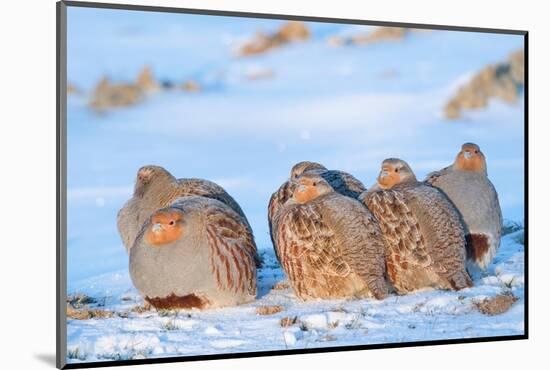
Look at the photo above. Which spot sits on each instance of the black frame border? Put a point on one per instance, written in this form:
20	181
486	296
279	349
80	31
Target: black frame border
61	185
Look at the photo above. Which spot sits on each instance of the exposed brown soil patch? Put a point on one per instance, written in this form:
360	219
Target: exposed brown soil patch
86	313
281	285
108	95
289	321
141	309
496	305
80	300
501	80
114	95
289	32
72	89
146	81
191	86
379	34
269	310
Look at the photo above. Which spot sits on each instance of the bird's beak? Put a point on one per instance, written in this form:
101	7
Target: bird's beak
467	154
383	174
156	228
301	188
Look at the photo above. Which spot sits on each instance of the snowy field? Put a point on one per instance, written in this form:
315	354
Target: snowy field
415	317
346	107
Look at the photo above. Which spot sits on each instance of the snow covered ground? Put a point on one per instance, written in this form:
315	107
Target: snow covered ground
346	107
416	317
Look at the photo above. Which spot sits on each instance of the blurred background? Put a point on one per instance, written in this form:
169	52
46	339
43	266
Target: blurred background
239	100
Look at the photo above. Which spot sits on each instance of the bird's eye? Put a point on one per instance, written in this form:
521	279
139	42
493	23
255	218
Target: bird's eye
314	184
477	151
172	223
396	170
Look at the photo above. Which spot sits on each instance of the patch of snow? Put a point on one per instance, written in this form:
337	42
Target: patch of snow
211	330
290	337
227	343
339	318
425	315
315	321
176	324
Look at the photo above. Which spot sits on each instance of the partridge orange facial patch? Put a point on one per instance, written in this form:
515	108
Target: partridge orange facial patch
165	228
470	159
388	177
306	191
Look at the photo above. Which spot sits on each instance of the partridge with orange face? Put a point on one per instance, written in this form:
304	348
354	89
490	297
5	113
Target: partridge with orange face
466	184
422	230
340	181
156	188
329	245
196	253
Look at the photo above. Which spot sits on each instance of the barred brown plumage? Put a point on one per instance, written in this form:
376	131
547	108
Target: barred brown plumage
211	256
424	235
156	188
329	245
341	182
232	250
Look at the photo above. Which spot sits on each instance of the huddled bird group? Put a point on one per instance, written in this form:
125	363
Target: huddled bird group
190	244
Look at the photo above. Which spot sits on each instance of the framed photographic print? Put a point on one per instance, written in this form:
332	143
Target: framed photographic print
235	184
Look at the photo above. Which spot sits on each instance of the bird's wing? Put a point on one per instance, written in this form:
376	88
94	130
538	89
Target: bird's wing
360	238
211	190
127	219
496	205
399	225
443	231
307	247
276	203
433	177
232	250
344	183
